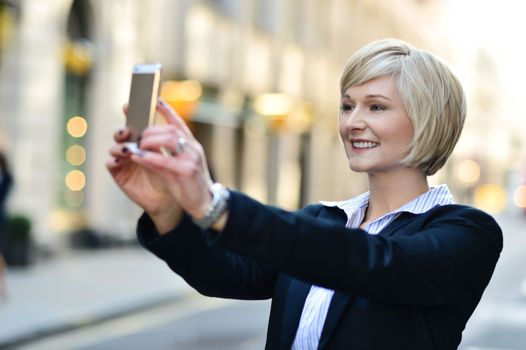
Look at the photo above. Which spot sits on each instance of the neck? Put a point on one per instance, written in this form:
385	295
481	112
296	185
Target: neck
389	191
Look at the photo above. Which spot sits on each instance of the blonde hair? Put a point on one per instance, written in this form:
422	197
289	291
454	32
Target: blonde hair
432	96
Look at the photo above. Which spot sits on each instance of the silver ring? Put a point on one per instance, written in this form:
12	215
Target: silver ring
180	146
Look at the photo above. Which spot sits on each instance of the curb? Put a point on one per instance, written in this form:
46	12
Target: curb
84	321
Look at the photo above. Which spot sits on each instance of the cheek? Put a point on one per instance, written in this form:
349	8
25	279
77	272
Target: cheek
341	127
406	134
401	137
400	134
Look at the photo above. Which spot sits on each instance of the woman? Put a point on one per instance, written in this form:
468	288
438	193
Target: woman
398	267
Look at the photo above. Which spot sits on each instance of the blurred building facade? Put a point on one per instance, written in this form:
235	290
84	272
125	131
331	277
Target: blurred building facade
264	74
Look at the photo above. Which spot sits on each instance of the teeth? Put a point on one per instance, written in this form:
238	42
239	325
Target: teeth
364	144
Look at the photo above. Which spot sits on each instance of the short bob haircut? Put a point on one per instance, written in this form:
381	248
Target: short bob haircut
432	96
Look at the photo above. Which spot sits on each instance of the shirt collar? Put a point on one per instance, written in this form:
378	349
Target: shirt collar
439	195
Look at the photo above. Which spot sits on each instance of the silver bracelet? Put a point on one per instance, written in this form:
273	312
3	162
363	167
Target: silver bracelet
217	207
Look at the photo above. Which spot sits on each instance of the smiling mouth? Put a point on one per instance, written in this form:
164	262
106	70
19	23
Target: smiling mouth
364	145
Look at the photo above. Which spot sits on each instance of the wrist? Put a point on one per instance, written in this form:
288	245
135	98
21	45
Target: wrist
220	224
166	220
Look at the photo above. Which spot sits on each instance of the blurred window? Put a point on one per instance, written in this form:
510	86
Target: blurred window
231	8
265	15
8	15
78	64
298	21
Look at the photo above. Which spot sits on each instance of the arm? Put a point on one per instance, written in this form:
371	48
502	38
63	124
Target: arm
448	262
210	270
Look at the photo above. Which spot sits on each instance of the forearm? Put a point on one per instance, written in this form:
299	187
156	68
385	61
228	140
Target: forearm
210	270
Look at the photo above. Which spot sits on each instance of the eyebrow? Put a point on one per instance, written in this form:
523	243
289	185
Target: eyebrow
371	96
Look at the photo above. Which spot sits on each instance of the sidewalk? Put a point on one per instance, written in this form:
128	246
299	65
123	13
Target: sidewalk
83	288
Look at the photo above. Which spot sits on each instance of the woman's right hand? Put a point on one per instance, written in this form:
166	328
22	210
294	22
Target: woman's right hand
142	185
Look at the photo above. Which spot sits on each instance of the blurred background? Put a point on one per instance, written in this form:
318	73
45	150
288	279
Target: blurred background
257	81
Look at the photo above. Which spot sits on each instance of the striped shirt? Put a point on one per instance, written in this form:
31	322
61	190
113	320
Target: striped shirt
318	301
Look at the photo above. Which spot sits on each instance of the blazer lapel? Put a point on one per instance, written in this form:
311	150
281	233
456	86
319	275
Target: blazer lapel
336	308
333	214
340	300
402	220
298	290
297	293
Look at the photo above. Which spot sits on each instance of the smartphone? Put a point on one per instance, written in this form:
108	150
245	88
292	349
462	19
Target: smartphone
144	92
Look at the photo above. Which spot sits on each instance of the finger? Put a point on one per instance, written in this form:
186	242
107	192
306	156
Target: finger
169	167
171	116
125	109
167	136
155	142
173	142
155	138
121	151
113	164
175	165
161	129
122	135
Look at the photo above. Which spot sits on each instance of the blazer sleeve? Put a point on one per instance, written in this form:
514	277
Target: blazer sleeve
210	270
450	261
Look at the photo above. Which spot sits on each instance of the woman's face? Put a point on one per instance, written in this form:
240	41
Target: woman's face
374	126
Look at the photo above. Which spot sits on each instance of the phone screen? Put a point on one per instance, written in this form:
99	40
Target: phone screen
143	98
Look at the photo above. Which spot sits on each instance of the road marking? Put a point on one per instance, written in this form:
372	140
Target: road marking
130	324
479	348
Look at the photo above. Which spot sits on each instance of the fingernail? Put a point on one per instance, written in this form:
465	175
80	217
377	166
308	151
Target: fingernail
125	149
162	102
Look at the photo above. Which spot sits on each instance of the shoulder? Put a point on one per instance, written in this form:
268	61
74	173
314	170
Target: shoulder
462	218
457	212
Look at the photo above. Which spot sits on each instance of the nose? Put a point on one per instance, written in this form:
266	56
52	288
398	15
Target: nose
355	120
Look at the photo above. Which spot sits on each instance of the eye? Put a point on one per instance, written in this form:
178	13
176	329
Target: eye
345	107
376	107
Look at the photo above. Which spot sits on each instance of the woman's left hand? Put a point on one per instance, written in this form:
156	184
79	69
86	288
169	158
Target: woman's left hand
173	152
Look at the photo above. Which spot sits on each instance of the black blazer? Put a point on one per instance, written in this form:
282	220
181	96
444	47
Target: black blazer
412	286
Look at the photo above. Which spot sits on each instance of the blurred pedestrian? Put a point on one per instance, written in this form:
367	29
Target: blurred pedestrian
398	267
6	182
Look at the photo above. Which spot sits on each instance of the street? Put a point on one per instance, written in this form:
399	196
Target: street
199	323
499	322
194	322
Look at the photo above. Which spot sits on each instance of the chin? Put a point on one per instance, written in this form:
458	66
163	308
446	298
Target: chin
357	168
